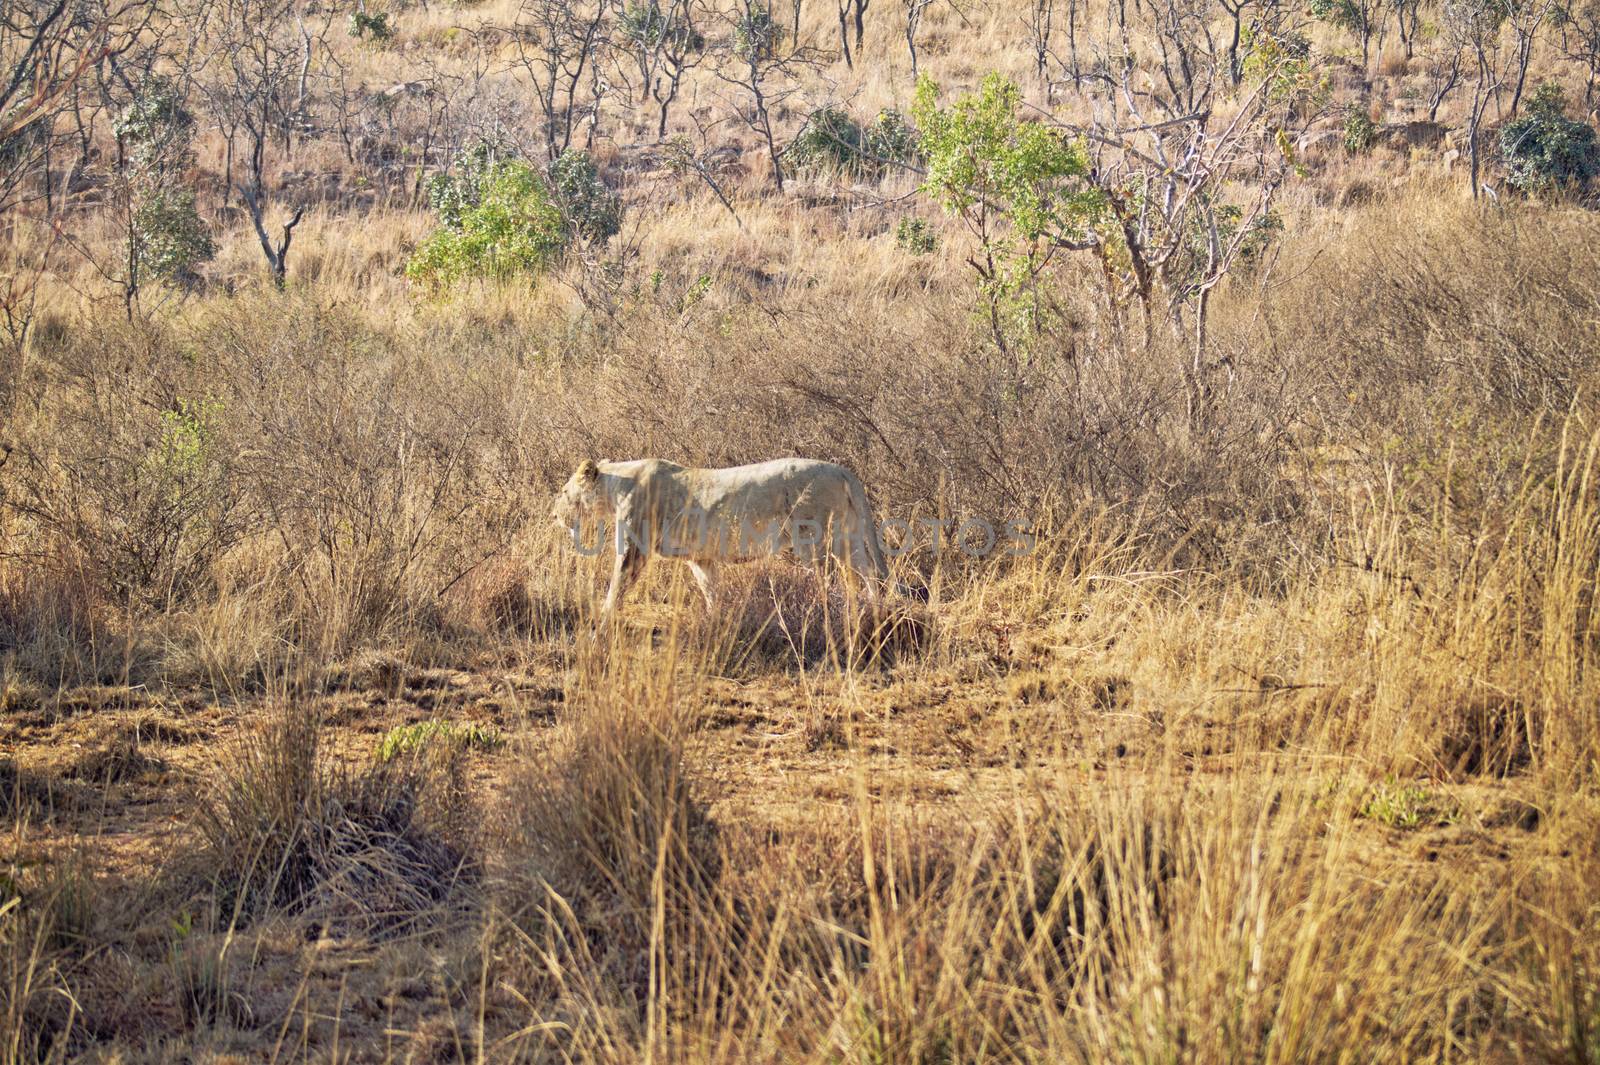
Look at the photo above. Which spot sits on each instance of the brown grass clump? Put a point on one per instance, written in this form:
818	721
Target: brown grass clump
786	616
608	839
285	829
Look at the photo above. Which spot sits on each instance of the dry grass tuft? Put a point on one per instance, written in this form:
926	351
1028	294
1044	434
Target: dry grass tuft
609	842
367	848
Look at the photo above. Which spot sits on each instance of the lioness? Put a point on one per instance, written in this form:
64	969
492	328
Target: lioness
645	507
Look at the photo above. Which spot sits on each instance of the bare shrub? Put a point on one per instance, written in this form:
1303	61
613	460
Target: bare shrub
135	478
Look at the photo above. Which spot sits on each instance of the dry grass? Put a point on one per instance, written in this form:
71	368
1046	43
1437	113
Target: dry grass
1281	747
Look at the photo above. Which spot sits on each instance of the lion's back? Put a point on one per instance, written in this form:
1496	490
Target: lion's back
721	510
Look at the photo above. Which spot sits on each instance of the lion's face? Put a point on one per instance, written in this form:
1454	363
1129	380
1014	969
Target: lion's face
580	500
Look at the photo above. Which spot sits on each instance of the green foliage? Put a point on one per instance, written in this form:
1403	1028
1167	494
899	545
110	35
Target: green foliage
757	34
185	451
454	193
1282	61
832	141
1544	150
181	510
498	221
1359	130
377	27
1345	14
1195	267
1402	806
982	157
403	739
500	218
644	25
915	236
168	239
1021	187
591	210
695	293
155	129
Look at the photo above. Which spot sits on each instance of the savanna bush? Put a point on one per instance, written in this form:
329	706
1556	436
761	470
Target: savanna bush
1545	150
166	237
373	25
915	236
501	218
498	221
169	240
592	211
645	25
832	141
1359	130
145	501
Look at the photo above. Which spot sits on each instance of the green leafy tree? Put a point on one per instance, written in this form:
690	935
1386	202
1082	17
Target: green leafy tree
1545	150
163	234
1169	206
1021	188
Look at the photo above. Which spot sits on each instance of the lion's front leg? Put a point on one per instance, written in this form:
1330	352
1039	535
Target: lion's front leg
626	570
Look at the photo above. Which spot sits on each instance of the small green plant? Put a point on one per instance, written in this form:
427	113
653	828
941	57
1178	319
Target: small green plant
199	973
833	141
1359	130
1282	62
1546	151
757	34
183	509
695	293
1404	806
915	236
373	26
186	444
403	739
645	26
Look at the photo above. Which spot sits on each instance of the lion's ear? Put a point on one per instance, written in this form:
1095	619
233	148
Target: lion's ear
588	472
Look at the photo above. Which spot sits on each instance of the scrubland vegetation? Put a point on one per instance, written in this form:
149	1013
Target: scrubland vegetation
1279	326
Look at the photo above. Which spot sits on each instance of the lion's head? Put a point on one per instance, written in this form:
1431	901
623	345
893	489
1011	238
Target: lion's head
580	501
